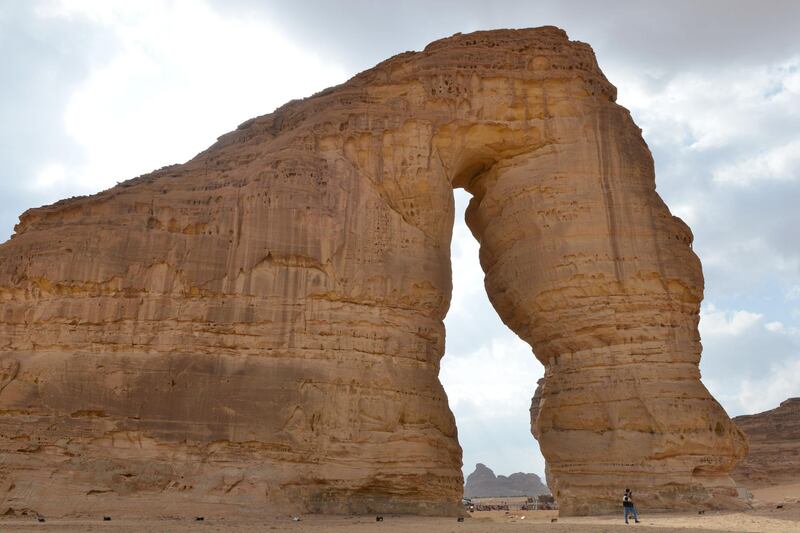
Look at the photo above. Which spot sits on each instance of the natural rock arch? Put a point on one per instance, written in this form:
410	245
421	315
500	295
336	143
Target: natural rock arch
263	324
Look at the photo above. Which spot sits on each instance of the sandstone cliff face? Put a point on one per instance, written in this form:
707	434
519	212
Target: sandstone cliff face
262	326
484	483
774	456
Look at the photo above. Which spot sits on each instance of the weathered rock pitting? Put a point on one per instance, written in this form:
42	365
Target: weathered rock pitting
262	325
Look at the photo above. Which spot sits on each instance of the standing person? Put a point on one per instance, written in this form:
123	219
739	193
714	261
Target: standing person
629	507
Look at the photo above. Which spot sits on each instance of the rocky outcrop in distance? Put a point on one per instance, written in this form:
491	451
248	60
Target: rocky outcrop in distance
774	456
260	329
484	483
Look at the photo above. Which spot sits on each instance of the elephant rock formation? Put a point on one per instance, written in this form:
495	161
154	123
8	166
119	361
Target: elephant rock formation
261	327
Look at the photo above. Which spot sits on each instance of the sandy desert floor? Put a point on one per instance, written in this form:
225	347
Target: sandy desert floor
764	517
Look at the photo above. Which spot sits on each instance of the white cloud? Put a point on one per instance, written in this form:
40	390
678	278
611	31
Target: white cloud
775	327
50	176
718	108
768	391
727	155
686	212
183	76
497	376
716	322
749	364
467	272
490	390
781	163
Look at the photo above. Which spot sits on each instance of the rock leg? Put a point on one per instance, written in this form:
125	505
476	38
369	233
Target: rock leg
585	262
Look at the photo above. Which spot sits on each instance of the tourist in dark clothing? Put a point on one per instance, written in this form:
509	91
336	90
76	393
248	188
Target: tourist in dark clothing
628	507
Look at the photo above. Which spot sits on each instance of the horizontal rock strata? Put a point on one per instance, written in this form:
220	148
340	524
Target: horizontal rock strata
774	456
260	328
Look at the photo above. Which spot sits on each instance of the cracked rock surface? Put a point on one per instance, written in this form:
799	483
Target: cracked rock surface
260	328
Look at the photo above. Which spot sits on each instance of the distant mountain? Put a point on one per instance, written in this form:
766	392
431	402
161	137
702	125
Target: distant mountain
774	456
483	483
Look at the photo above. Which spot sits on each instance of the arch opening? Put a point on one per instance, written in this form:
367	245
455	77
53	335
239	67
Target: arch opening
488	372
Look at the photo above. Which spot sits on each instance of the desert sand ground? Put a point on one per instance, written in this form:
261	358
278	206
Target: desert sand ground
764	517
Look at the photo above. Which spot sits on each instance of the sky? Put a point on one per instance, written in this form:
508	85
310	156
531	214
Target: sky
98	91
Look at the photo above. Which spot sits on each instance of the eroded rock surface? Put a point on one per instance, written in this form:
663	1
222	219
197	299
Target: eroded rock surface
484	483
774	456
260	328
